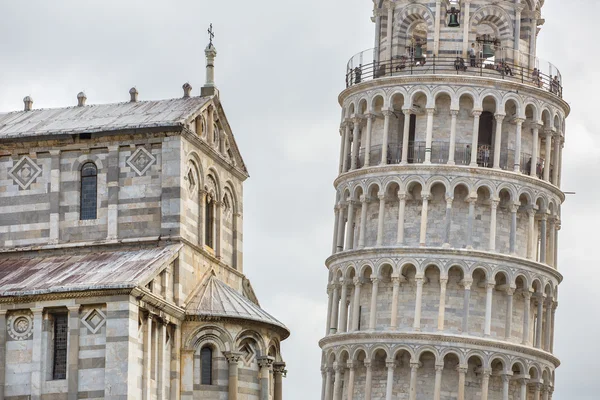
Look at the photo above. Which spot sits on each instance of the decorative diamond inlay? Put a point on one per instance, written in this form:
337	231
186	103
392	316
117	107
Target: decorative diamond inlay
94	320
141	160
25	172
20	325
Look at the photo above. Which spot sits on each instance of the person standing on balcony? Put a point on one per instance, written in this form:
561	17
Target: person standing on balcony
472	55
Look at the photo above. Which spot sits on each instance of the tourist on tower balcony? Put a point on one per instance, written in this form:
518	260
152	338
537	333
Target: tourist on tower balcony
472	55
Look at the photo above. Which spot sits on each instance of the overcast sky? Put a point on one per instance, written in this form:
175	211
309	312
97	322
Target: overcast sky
280	68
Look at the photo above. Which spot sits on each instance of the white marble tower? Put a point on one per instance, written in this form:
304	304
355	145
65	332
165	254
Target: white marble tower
443	280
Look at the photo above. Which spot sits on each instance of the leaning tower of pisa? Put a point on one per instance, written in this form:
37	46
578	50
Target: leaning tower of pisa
443	278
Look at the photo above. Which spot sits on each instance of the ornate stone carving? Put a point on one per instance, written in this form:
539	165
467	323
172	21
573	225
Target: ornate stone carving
20	325
94	319
25	172
141	160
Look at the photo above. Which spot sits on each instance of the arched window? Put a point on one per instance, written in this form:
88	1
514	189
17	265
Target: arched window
89	191
206	359
209	213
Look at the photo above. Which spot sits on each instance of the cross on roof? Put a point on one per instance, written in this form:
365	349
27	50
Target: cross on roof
211	35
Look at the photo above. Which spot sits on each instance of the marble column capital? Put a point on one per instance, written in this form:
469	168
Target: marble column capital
387	113
390	363
279	368
357	281
367	364
430	111
476	113
374	280
415	365
232	357
519	121
439	367
407	111
265	361
462	369
499	117
467	283
454	113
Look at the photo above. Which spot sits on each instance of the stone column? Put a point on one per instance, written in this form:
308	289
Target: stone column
373	314
350	226
449	201
429	135
337	382
509	312
544	235
505	386
517	35
551	239
465	23
55	196
390	364
418	303
405	136
401	212
356	307
381	219
363	222
370	118
475	138
535	151
452	151
342	148
355	142
386	132
414	367
488	308
554	307
548	324
498	140
540	318
536	391
531	247
396	289
390	28
513	227
328	388
346	147
36	354
2	352
526	317
368	380
466	306
548	155
147	395
278	374
545	392
336	210
266	364
73	355
437	390
233	359
340	228
175	370
523	394
442	306
470	220
485	382
329	308
187	374
423	234
562	146
350	390
493	223
343	324
519	122
335	308
462	377
436	35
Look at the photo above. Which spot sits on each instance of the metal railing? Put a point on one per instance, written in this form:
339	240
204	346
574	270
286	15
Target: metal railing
544	75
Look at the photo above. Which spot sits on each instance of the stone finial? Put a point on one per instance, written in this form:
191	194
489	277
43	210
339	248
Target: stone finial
187	90
28	101
133	93
81	98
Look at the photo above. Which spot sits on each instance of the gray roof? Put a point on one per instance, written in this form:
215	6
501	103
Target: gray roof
216	299
24	276
99	117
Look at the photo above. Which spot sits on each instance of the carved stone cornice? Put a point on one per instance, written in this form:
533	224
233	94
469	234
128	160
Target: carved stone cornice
425	339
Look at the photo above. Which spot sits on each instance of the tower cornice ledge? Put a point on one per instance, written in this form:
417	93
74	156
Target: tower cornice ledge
394	82
431	253
425	338
419	169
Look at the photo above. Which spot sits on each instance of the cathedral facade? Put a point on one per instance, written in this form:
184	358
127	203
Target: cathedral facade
443	279
121	259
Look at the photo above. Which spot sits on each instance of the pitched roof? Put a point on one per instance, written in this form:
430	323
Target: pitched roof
73	273
99	117
216	299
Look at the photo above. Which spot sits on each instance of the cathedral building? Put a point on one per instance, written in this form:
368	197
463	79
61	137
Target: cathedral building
443	279
121	259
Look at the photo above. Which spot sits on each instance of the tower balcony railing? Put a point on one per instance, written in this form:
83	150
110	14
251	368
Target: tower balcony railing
541	74
440	155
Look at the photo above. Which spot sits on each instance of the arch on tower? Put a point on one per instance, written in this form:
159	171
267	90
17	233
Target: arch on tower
413	26
496	18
